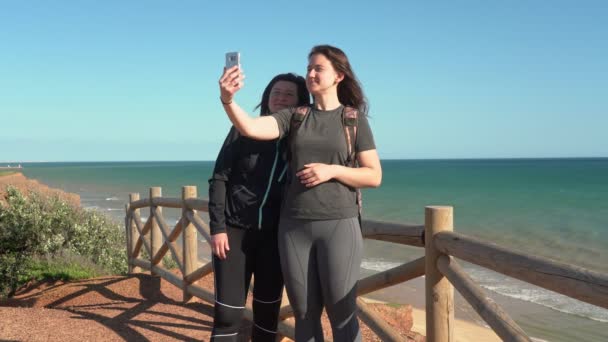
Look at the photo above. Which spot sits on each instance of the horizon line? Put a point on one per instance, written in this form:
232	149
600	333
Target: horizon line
382	159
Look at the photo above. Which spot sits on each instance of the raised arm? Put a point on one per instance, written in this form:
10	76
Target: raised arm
259	128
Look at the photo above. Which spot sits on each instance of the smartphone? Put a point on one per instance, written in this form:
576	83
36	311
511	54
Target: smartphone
232	59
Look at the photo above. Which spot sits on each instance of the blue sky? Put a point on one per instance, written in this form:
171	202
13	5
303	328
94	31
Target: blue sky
137	80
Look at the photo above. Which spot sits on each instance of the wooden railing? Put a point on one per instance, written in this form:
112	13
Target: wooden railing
442	271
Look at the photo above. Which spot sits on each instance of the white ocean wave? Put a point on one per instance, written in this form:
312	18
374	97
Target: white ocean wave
536	339
378	265
113	199
514	288
553	301
114	209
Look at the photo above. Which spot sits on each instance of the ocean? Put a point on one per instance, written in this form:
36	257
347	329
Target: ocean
556	208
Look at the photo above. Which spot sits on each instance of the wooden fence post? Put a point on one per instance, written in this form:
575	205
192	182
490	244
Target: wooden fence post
134	235
128	237
439	291
190	243
156	238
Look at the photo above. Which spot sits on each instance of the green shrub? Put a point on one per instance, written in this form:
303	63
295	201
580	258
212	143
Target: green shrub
168	262
35	226
62	266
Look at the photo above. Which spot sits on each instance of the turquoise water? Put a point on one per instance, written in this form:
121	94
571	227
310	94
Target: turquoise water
553	207
556	208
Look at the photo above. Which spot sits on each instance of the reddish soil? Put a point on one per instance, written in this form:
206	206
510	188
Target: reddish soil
129	309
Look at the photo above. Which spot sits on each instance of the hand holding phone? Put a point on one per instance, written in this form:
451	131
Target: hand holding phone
232	81
232	59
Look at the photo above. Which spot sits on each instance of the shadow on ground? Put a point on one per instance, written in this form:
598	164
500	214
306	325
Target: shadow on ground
134	308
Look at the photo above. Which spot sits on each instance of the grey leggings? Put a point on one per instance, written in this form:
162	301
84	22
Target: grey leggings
320	262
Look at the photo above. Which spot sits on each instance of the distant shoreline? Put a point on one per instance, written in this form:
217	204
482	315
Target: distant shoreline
26	186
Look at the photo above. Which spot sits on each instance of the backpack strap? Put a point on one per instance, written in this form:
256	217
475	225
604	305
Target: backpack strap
297	117
350	121
299	113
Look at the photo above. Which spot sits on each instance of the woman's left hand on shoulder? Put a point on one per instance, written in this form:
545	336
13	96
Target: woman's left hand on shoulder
315	173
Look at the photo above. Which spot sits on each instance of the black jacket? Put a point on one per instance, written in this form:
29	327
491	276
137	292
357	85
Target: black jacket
246	188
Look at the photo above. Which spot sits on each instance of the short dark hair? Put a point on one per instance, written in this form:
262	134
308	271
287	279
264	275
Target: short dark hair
299	81
350	92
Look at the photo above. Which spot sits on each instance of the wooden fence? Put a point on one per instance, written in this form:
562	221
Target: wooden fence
442	271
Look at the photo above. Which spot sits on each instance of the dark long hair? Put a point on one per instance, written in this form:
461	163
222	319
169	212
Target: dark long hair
299	81
350	92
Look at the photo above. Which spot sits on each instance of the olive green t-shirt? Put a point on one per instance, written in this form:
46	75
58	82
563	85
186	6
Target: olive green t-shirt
320	139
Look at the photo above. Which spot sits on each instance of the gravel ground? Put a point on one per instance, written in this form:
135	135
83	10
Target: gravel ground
121	309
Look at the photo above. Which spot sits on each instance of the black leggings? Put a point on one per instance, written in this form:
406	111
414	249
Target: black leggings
251	252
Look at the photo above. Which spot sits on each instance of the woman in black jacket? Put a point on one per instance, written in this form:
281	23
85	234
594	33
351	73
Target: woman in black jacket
245	194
